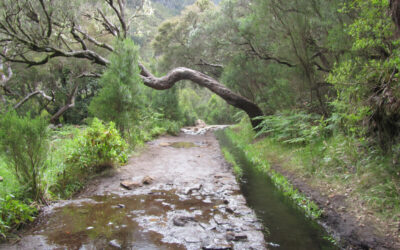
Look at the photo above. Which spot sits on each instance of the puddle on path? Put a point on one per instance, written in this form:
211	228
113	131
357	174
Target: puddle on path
107	221
183	144
194	203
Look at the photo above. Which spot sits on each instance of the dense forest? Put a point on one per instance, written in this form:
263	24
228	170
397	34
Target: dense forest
84	83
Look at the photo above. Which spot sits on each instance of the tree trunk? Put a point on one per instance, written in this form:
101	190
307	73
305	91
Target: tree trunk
178	74
395	12
69	104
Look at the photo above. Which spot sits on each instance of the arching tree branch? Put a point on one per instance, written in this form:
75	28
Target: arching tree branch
30	95
29	44
178	74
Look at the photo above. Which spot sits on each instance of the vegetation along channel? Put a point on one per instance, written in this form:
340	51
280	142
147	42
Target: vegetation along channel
108	108
286	226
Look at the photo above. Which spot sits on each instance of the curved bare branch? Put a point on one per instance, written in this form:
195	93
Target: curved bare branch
30	95
178	74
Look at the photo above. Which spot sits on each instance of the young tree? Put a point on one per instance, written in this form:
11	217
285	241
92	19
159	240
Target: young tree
119	99
24	143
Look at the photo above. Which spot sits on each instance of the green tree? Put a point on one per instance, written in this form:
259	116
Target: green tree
120	98
24	145
367	80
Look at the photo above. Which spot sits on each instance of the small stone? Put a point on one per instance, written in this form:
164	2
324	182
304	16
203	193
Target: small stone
130	184
240	237
229	210
89	228
273	244
115	244
121	206
231	236
180	221
147	180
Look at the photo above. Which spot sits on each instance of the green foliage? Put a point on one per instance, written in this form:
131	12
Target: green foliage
293	127
14	214
24	144
331	159
376	173
166	102
240	136
178	38
154	124
97	147
263	82
201	104
10	184
367	81
231	159
120	98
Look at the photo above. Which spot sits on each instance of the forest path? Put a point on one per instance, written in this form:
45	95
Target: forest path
191	200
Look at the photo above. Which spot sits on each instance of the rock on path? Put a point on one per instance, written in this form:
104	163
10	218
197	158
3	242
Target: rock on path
174	198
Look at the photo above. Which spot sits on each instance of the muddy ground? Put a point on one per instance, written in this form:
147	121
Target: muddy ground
183	196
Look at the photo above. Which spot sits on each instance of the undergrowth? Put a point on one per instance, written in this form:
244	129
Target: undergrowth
242	138
231	160
75	155
334	162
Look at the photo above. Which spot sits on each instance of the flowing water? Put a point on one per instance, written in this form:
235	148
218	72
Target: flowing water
286	226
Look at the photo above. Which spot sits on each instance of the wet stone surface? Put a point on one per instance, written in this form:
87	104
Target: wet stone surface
192	202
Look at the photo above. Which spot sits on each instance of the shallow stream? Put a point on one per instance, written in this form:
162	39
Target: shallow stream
286	226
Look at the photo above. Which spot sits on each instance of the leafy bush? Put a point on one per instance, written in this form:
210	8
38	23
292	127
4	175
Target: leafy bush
14	214
98	146
367	85
24	143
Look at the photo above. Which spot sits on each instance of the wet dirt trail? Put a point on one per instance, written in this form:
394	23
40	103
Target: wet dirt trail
182	196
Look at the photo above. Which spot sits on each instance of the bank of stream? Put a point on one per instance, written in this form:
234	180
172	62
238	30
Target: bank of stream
285	225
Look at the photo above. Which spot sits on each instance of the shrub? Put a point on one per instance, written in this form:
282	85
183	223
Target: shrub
98	146
14	214
24	143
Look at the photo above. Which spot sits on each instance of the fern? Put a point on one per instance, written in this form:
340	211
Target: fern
293	127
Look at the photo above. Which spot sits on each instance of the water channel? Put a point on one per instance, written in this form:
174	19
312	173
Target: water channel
286	226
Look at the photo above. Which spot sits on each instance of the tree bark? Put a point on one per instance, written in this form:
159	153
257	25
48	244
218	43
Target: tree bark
395	12
178	74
